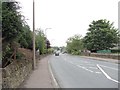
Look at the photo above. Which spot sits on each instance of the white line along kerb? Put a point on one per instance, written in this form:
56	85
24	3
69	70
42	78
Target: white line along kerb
52	75
108	77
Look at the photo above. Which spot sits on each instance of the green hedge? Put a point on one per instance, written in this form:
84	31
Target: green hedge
115	51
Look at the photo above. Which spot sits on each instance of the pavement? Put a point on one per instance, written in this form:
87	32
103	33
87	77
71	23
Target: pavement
40	77
80	72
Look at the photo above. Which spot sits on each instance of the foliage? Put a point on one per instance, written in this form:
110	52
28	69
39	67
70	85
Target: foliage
25	39
50	50
74	44
101	35
0	31
11	21
55	48
40	42
19	55
13	27
115	51
48	44
0	16
119	39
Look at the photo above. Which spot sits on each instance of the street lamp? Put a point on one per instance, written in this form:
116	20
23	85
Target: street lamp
46	30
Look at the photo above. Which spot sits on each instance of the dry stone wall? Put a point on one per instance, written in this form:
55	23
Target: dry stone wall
15	73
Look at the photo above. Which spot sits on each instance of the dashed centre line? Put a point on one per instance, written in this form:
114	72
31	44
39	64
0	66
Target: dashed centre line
83	67
95	68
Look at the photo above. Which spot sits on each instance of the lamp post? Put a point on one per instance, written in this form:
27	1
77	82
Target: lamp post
34	61
46	30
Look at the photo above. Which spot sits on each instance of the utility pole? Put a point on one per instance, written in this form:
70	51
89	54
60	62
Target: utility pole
34	61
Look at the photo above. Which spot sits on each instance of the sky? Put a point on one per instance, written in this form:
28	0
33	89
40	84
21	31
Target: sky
65	18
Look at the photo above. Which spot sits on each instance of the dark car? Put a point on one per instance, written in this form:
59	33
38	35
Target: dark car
56	53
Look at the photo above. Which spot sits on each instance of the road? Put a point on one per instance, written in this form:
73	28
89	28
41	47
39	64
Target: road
78	72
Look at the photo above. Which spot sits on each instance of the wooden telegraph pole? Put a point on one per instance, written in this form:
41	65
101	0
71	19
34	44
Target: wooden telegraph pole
34	61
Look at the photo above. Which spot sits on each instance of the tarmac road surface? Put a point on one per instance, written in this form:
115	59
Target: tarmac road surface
79	72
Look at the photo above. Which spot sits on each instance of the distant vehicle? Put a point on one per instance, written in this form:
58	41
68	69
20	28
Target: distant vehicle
57	53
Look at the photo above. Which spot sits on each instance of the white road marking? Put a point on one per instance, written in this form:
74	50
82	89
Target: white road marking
52	75
84	68
86	62
88	70
98	72
93	67
108	77
108	67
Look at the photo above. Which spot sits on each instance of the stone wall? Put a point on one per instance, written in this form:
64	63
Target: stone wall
15	73
111	56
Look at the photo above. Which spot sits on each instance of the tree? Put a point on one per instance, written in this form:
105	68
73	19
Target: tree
74	44
11	21
25	39
0	17
0	31
48	44
40	42
12	27
101	35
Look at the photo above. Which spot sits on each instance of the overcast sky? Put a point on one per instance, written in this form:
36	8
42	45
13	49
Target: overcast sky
68	17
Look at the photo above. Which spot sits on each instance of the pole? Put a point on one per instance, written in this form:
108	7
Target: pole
34	61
